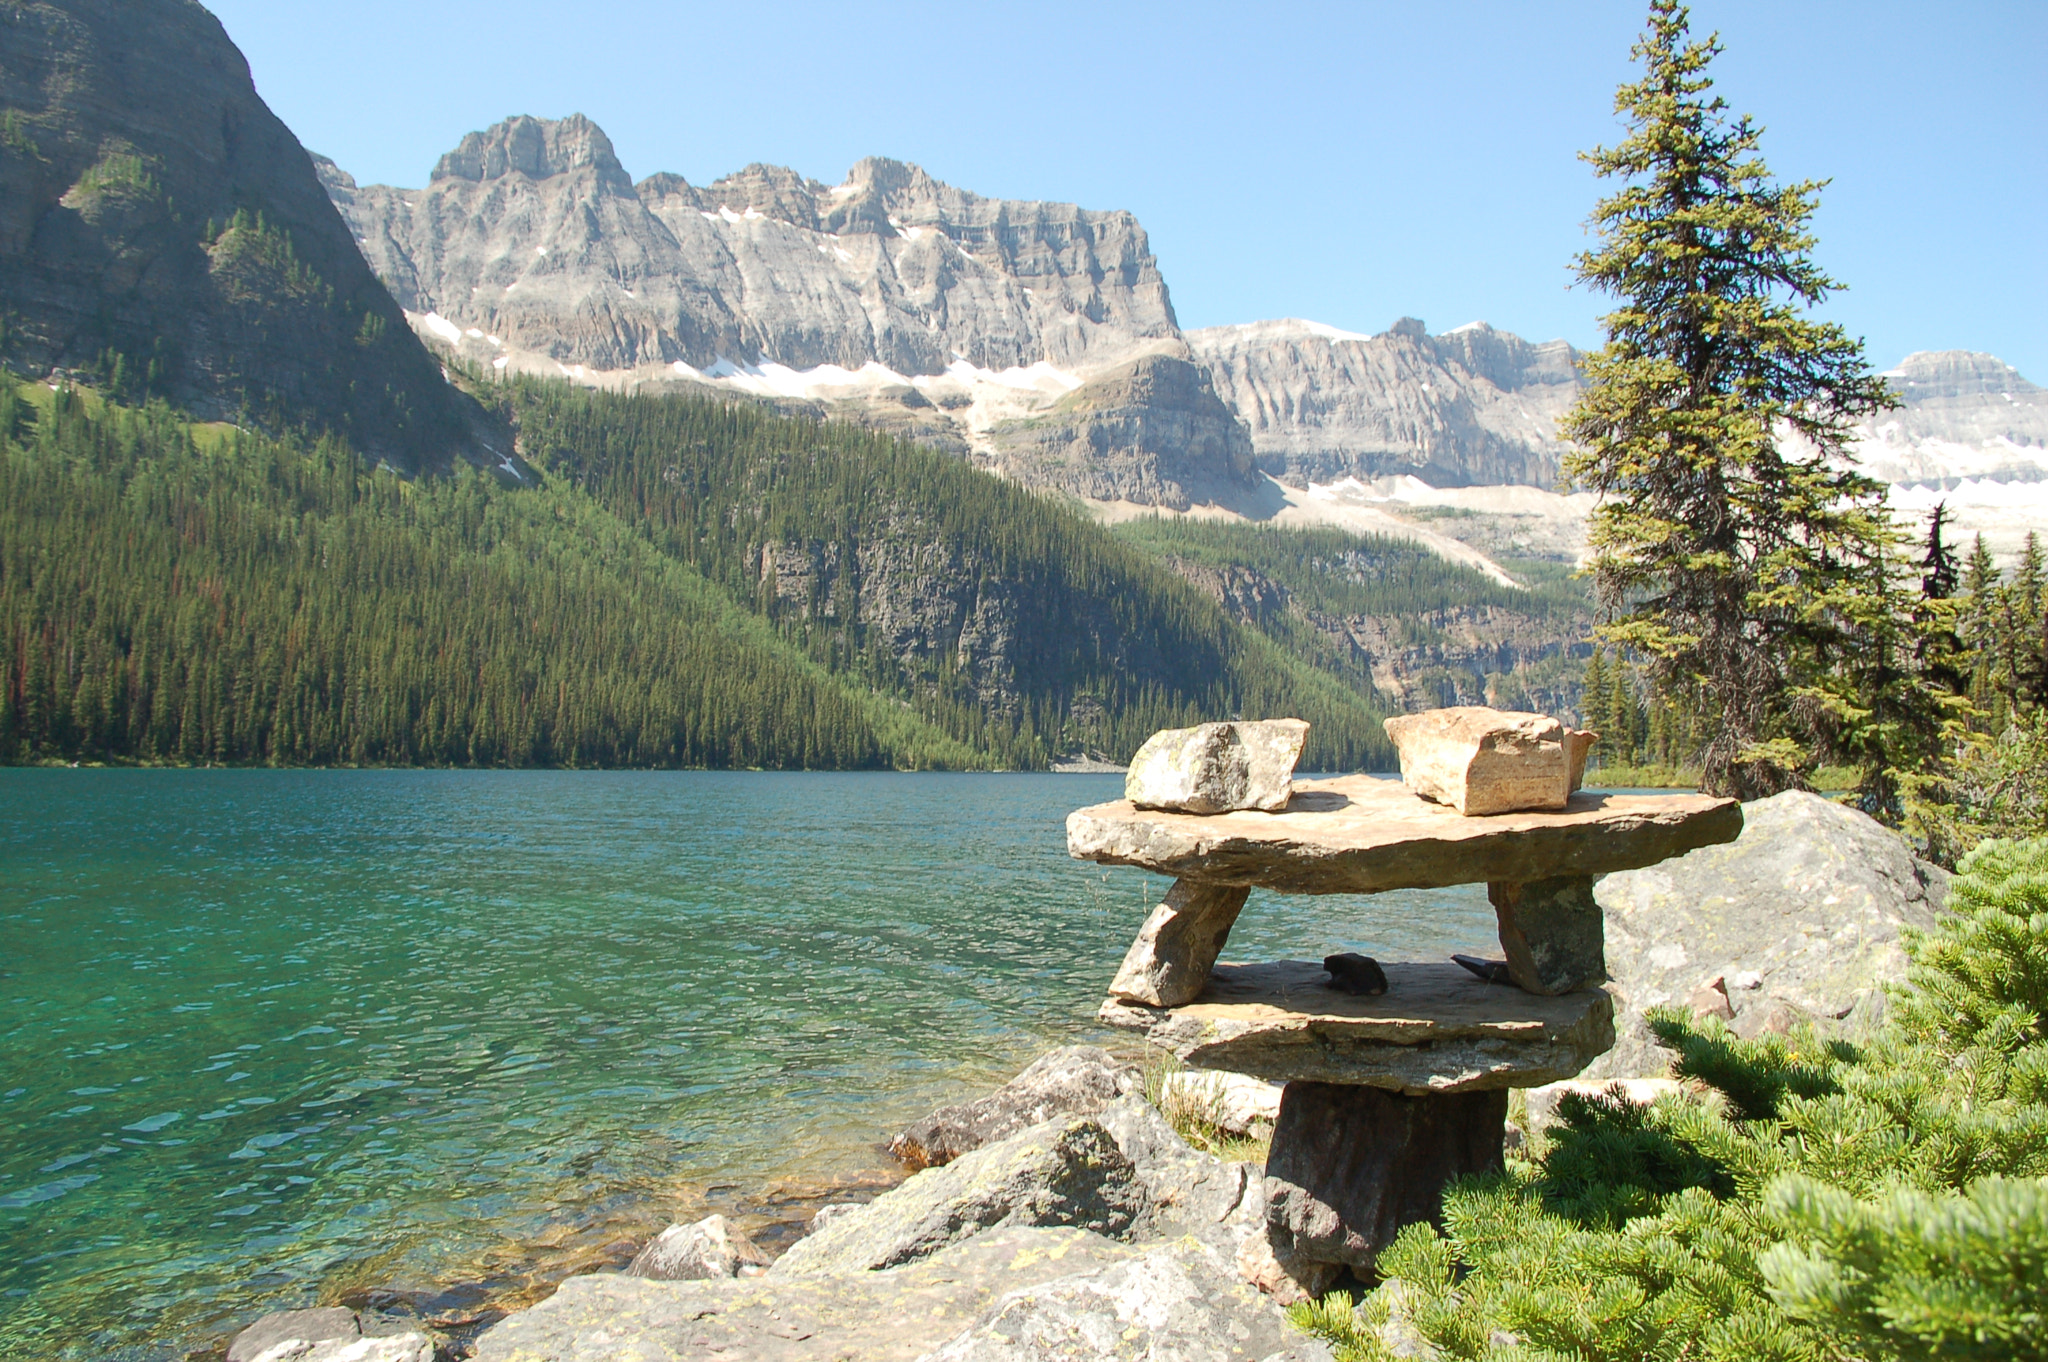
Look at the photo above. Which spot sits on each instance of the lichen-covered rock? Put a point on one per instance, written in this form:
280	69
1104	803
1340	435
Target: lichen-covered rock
892	1316
712	1247
1187	1192
1177	1303
1799	917
1483	761
1216	768
1067	1173
1075	1080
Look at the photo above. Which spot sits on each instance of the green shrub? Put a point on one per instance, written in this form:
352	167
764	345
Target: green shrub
1834	1203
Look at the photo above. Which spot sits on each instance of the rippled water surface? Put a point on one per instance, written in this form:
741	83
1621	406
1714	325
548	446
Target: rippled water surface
267	1037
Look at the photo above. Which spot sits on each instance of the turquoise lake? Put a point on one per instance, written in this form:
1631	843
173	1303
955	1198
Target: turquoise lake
432	1040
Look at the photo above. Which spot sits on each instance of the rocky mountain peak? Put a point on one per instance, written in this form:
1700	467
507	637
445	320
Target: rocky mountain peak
1933	374
537	148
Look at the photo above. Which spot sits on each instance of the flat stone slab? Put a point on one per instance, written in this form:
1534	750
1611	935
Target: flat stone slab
1362	835
1436	1029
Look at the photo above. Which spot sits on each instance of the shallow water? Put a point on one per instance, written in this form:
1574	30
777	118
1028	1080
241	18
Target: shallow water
267	1037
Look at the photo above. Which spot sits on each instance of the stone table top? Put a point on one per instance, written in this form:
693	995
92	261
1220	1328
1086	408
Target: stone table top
1437	1029
1363	834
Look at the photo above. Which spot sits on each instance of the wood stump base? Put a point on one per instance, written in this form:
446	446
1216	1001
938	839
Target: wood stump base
1352	1165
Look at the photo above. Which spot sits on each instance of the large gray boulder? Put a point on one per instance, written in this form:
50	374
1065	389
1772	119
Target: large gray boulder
892	1316
1188	1193
1075	1080
1067	1173
1178	1303
1798	919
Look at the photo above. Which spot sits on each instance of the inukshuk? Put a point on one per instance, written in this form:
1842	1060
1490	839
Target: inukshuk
1387	1096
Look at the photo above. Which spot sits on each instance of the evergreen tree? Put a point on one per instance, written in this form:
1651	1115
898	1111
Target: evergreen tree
1734	547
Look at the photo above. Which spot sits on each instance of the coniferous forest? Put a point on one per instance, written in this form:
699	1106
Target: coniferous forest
172	593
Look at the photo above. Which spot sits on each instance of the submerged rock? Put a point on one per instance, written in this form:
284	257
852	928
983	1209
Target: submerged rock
328	1334
1216	768
1076	1080
1799	918
712	1247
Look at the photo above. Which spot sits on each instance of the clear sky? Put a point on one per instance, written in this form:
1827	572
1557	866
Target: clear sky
1350	163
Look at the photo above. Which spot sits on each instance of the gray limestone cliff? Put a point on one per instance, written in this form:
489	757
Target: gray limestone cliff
532	232
164	234
1472	407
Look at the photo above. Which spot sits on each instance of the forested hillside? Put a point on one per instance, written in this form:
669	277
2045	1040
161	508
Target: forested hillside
691	584
1388	614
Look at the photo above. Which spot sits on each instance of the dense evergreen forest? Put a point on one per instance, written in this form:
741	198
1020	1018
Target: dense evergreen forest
171	593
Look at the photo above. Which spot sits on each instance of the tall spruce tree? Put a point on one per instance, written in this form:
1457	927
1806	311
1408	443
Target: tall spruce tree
1736	549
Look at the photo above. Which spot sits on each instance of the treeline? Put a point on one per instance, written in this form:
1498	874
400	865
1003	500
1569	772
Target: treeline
173	594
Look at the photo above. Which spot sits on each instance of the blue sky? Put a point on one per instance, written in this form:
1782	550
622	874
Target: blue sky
1350	163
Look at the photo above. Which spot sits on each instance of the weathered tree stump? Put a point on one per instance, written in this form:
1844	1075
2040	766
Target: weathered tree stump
1170	961
1553	933
1352	1165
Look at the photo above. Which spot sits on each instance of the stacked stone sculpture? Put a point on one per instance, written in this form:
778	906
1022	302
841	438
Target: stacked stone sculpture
1388	1095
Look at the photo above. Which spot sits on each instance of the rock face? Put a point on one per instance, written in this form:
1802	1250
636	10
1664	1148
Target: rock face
1481	761
1471	407
1077	1080
894	1316
1435	1030
1058	1173
1216	768
1799	917
711	1248
1171	1305
1362	835
164	233
1152	431
1170	961
533	232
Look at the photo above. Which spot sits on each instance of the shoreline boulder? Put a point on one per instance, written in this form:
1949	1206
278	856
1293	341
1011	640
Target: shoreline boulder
1797	920
1075	1080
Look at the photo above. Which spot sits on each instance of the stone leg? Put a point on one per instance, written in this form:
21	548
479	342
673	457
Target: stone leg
1352	1165
1170	961
1552	932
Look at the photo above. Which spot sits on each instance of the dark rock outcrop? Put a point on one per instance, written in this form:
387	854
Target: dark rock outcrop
1799	918
164	233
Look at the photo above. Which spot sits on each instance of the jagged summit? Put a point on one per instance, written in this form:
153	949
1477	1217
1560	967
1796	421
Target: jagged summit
535	148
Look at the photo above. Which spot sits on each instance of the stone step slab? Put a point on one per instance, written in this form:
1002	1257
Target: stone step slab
1364	835
1436	1029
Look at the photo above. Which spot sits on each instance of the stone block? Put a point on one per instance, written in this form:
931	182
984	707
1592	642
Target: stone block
1217	768
1553	932
1170	961
1351	1166
1486	761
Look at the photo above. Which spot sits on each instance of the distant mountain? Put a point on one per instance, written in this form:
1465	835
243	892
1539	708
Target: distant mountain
163	232
891	298
1471	407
